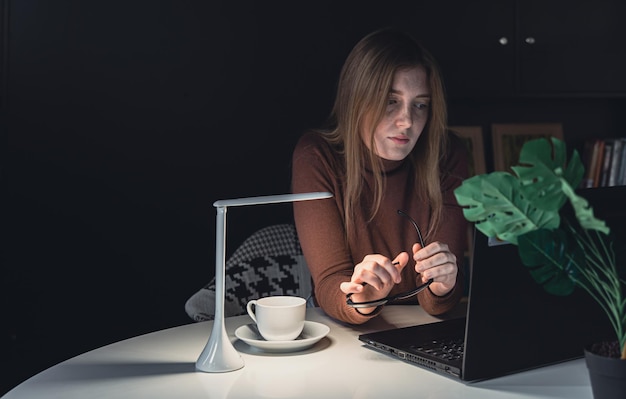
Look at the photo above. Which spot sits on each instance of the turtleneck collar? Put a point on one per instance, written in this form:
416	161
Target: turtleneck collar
388	166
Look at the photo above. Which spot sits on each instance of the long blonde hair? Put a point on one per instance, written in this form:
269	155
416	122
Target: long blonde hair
362	92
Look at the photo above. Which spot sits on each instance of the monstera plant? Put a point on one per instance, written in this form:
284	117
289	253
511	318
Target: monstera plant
562	249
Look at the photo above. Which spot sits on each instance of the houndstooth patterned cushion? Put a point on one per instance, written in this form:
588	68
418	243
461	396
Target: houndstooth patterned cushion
269	262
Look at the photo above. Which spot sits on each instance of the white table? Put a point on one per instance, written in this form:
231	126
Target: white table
162	365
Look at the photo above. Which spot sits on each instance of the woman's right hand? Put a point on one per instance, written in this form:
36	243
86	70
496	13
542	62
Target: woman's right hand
374	278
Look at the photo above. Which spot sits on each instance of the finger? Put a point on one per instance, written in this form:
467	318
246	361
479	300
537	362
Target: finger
372	273
416	247
400	262
350	287
439	272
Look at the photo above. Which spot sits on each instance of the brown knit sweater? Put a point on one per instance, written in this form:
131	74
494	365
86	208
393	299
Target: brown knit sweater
320	225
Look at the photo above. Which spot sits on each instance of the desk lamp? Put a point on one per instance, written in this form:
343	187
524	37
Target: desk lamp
219	354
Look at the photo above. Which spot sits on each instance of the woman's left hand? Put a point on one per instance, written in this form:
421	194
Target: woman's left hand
436	261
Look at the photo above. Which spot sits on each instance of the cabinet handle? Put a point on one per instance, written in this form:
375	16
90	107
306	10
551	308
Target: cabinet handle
503	41
530	40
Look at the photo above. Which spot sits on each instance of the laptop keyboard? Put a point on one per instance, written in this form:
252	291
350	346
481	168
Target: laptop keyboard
451	349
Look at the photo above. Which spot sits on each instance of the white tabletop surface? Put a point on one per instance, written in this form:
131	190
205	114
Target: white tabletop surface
162	365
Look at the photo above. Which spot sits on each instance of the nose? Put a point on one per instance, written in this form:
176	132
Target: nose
404	119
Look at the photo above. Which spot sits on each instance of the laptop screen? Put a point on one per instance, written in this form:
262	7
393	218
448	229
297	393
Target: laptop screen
514	325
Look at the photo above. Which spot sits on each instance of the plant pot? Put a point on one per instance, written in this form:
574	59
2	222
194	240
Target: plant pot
607	375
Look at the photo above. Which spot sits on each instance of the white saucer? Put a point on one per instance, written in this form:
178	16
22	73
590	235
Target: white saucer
310	335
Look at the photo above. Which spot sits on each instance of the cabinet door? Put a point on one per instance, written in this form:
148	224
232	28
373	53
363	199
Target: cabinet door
572	47
473	41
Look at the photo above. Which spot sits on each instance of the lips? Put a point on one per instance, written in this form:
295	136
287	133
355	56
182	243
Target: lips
400	139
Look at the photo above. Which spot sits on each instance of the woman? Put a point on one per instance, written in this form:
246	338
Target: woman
386	149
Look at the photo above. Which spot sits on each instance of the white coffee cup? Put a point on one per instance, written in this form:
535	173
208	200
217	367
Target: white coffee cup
278	318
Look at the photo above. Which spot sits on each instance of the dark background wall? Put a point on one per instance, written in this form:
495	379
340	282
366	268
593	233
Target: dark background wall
123	121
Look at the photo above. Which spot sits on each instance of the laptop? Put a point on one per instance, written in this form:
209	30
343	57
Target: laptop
511	324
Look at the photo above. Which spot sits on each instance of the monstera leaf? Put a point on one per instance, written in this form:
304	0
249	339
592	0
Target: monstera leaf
496	204
506	206
542	166
584	212
551	260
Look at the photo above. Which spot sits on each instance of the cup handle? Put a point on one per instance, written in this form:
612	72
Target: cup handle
249	309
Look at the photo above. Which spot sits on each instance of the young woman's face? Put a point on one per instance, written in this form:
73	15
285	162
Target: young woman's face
405	116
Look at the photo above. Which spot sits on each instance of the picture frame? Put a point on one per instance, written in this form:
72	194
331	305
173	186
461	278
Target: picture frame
509	138
473	138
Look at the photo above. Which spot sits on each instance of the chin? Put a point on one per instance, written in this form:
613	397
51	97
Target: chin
395	157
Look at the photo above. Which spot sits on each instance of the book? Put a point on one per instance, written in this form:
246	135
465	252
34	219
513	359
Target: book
598	161
616	162
621	179
606	162
590	153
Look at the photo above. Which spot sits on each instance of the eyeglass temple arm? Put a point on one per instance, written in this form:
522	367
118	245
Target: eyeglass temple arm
419	233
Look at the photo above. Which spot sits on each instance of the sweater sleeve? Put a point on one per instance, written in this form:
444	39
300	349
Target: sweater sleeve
320	227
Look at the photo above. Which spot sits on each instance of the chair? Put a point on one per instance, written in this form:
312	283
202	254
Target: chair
269	262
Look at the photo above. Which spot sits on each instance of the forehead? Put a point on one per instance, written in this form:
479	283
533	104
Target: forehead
412	79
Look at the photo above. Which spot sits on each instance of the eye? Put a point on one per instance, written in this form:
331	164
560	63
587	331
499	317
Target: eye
422	106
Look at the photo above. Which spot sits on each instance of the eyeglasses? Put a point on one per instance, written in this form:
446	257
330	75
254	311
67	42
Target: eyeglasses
402	295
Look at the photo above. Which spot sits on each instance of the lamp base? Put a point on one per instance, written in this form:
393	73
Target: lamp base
219	354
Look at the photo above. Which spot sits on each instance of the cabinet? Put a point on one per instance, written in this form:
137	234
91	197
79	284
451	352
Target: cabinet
572	47
557	48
